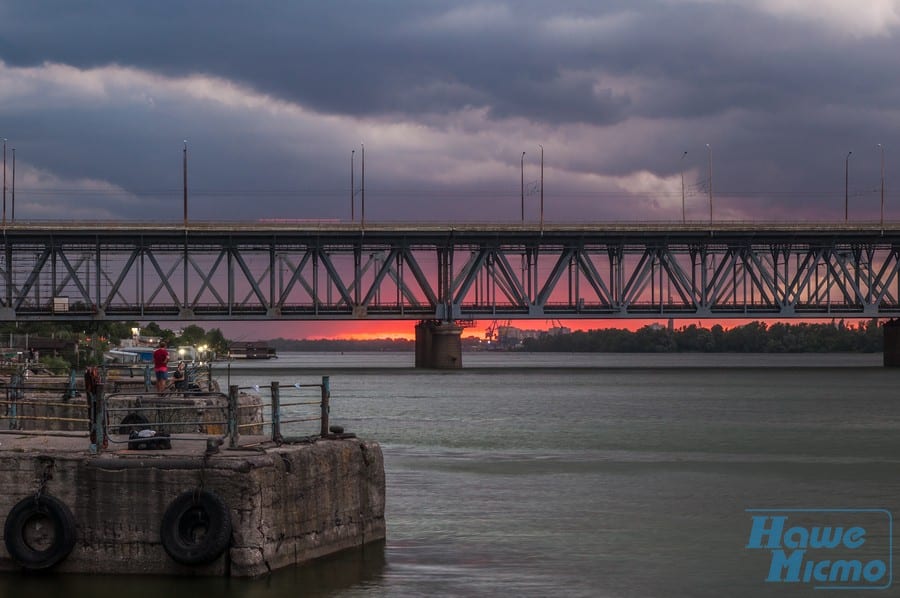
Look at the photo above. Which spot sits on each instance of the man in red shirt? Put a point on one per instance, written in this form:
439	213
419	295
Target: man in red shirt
161	367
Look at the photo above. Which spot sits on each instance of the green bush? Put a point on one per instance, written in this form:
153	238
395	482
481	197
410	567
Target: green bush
56	365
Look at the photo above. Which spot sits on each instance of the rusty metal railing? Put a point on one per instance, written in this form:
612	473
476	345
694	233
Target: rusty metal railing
277	413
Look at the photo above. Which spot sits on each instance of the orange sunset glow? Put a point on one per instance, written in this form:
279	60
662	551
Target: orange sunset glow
391	329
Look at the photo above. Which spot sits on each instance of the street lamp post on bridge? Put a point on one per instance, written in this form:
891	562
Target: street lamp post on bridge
13	216
185	185
4	181
683	217
542	186
847	186
362	190
352	189
709	182
881	147
522	186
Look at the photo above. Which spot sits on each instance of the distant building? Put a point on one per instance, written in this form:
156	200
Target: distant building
510	337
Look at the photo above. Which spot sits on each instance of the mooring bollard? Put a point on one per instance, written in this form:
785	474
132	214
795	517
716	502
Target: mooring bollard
276	412
326	395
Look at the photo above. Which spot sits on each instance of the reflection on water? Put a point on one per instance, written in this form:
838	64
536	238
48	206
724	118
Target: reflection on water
580	475
329	576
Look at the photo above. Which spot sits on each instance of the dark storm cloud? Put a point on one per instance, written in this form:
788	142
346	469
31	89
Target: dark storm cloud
542	61
446	95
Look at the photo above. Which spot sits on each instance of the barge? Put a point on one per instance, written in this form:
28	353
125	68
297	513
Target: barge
251	350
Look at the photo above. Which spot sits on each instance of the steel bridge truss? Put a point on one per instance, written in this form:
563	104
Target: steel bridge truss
444	275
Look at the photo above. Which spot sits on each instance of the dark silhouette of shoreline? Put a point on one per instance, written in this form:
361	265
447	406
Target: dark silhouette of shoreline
755	337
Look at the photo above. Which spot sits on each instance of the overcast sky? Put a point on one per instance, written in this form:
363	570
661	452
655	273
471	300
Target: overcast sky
272	97
98	97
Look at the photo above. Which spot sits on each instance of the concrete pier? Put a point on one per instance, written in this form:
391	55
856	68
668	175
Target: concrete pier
287	503
438	345
181	483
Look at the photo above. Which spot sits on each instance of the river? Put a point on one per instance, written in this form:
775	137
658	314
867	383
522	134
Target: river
601	475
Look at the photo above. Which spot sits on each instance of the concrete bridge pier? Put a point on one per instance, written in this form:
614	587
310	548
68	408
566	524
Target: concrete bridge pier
438	345
891	331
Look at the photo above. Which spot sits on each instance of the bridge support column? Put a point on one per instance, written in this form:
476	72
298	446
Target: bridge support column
891	331
438	345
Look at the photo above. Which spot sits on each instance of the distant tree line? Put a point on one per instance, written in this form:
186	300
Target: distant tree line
92	338
756	337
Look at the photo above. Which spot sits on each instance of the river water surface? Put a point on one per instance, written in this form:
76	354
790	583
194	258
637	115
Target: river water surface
579	474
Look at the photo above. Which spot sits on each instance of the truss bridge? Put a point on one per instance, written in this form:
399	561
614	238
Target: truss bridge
302	271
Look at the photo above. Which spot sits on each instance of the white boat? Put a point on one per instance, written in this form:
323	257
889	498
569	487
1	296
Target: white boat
144	355
129	355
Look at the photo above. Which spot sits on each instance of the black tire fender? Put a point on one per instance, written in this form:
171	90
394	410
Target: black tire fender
196	528
39	532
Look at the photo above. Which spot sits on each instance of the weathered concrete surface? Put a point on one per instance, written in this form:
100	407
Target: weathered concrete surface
289	504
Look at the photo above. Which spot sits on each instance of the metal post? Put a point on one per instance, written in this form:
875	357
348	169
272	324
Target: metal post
882	180
542	186
101	418
98	423
14	185
185	184
846	186
4	181
232	423
326	396
13	413
362	198
72	389
276	412
352	190
709	183
17	382
523	186
147	378
683	218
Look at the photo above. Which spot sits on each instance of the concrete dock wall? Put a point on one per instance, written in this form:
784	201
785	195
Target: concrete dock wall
288	504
